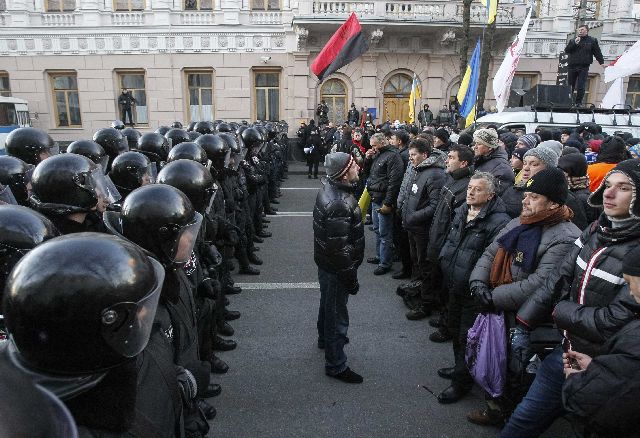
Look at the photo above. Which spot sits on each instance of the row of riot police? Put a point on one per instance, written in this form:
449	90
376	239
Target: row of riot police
115	262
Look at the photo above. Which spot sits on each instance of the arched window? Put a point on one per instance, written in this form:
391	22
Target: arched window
396	94
334	93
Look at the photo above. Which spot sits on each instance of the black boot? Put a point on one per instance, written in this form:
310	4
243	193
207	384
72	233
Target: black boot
225	329
249	270
220	344
218	366
254	259
208	411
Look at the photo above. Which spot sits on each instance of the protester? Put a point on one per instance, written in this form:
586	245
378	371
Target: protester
400	139
492	159
610	153
582	49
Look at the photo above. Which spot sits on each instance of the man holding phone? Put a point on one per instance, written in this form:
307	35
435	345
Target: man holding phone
582	49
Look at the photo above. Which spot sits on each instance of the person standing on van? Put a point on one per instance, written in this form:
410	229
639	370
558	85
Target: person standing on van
581	52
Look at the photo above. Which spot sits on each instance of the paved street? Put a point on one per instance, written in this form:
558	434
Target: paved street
276	385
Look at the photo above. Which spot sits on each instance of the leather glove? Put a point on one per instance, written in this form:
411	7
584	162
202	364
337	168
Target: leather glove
350	282
482	296
385	209
353	288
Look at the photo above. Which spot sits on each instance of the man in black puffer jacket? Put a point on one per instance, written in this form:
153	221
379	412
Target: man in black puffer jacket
584	297
338	252
384	169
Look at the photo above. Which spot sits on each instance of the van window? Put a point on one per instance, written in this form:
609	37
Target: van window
8	114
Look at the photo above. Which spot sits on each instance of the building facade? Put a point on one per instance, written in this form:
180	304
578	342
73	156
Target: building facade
250	59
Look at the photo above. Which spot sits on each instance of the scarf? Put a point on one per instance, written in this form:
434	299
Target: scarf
359	144
578	182
520	245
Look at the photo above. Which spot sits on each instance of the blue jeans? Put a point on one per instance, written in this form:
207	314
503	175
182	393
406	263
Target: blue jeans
383	227
333	321
543	403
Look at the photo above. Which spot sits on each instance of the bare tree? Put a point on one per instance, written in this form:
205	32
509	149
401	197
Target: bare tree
466	36
485	60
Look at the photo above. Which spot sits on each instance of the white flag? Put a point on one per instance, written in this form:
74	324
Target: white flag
627	64
504	76
615	96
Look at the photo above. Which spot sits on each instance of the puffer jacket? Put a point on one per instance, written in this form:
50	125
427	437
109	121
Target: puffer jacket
452	195
582	196
423	194
384	175
497	164
584	294
605	396
338	230
555	243
467	241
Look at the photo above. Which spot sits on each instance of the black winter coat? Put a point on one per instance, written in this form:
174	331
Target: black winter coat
384	175
585	292
338	230
605	396
591	213
582	54
497	164
467	241
452	196
423	193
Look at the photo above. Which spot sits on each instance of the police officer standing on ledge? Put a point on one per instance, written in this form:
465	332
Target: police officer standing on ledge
126	101
582	49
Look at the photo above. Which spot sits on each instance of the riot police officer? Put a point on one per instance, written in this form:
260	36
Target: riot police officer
31	145
132	170
15	174
112	141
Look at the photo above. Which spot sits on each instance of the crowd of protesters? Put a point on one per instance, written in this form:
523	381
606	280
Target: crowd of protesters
541	229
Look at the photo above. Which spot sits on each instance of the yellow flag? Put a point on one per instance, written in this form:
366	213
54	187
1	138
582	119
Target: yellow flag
492	9
470	118
364	202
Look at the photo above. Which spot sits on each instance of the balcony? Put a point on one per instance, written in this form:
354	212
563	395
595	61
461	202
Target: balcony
58	19
434	12
127	19
265	17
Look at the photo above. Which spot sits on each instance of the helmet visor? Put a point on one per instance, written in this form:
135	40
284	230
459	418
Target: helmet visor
6	195
103	187
126	326
54	150
104	163
180	247
148	175
211	192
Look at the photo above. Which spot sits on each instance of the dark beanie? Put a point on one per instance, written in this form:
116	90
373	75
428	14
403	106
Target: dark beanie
573	164
465	139
568	150
519	153
612	150
551	183
442	134
337	164
509	139
631	169
631	264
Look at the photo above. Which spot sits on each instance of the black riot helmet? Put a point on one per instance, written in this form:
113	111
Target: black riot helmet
191	126
193	135
31	145
16	174
154	146
112	141
132	170
117	124
177	125
215	148
188	151
236	154
21	230
177	136
71	183
160	219
224	127
91	150
252	138
192	179
162	130
241	129
6	195
88	308
263	131
271	129
132	135
204	127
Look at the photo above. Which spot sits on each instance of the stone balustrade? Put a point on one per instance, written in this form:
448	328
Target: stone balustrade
127	19
362	9
198	17
62	19
265	17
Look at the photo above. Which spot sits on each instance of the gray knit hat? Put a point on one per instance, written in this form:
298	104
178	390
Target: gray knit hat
337	164
545	154
487	137
556	146
529	140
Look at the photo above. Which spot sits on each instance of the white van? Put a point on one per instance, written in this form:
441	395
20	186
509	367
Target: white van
514	119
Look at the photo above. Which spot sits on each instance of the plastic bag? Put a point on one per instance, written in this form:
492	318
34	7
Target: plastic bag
486	354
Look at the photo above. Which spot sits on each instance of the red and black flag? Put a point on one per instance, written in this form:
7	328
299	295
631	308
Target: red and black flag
347	44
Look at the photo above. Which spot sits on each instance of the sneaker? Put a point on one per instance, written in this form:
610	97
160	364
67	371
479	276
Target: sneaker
348	376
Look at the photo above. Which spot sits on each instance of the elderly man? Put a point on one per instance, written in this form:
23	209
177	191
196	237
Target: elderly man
521	258
338	252
384	169
490	157
474	226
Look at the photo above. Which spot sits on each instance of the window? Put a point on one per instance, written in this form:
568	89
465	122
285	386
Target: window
334	93
591	12
633	92
65	97
198	5
5	88
3	5
200	92
134	82
59	5
128	5
524	81
265	5
267	95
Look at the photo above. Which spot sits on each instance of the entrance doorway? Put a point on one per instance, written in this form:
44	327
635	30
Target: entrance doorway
396	94
334	93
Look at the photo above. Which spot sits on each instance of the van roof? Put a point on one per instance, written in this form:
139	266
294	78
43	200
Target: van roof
4	99
520	115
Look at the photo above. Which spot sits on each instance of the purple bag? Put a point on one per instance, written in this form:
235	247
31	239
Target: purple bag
486	354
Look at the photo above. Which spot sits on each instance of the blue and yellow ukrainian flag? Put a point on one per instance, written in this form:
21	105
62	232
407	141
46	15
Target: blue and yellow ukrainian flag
416	93
468	91
492	9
